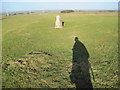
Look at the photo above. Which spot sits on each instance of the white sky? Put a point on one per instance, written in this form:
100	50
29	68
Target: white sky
60	0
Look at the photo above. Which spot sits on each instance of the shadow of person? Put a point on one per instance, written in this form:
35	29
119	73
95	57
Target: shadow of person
80	66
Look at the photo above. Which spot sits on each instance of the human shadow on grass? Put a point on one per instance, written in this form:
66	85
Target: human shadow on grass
80	66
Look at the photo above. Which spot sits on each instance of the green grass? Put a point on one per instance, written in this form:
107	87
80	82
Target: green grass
27	33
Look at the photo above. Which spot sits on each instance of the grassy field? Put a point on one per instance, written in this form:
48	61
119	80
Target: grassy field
26	33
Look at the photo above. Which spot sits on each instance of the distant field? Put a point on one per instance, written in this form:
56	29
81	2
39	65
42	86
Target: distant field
26	33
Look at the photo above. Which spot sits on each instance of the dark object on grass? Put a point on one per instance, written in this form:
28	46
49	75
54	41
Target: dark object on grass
20	61
62	23
40	52
7	64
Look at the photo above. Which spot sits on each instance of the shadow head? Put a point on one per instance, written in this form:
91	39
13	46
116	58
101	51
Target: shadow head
76	38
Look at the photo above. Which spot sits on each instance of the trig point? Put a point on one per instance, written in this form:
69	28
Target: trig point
58	23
